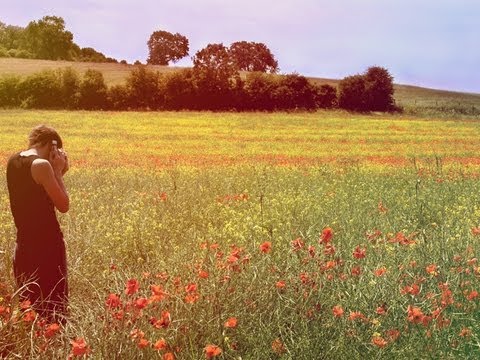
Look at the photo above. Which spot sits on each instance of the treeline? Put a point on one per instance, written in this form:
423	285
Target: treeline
45	39
192	89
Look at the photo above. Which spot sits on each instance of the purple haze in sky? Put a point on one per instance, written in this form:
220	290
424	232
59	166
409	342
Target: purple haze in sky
431	43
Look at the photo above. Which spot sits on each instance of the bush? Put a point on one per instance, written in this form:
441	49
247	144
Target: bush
41	90
144	89
372	91
4	52
351	93
119	97
326	96
70	87
180	92
93	91
295	92
259	91
9	91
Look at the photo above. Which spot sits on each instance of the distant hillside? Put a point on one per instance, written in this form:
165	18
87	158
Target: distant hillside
405	95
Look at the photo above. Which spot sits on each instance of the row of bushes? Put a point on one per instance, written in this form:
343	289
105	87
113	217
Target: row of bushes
148	90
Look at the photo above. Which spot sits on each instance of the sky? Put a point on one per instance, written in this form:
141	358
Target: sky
430	43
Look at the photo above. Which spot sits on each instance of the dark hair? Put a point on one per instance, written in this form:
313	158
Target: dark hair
42	134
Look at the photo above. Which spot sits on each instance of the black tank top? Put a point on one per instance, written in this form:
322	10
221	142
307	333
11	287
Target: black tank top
32	209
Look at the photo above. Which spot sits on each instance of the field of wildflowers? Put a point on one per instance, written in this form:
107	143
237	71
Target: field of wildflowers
258	236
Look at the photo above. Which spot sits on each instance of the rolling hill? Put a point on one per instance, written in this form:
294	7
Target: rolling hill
405	95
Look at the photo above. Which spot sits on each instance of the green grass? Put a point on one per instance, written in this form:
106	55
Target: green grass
162	224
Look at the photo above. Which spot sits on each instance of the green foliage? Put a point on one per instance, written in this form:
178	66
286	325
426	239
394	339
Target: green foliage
4	52
48	39
9	92
253	56
93	91
372	91
144	87
41	90
179	89
326	96
70	88
165	47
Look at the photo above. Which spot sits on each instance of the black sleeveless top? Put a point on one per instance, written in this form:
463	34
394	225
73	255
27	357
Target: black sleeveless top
32	209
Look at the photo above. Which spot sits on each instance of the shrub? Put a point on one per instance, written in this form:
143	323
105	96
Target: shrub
379	89
70	87
259	91
180	91
9	91
295	92
351	93
93	91
41	90
326	96
144	89
4	52
118	97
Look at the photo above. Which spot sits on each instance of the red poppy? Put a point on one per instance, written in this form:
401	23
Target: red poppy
141	303
168	356
414	289
79	347
163	322
280	284
337	311
191	288
203	274
160	344
212	351
231	322
415	314
356	271
476	231
380	271
359	253
329	250
143	343
29	316
266	247
132	286
278	347
297	244
113	301
432	269
473	295
354	315
379	341
51	330
326	236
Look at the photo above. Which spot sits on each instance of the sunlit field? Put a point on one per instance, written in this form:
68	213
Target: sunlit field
322	235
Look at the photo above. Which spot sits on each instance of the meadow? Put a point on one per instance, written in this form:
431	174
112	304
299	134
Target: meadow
323	235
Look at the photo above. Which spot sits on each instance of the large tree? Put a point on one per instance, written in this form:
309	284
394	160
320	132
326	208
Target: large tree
165	47
253	56
48	39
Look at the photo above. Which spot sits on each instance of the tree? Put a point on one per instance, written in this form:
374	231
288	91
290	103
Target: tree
214	74
164	47
10	36
144	88
252	56
93	91
351	93
326	96
379	89
48	39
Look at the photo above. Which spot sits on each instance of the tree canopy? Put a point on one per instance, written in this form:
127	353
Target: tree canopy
253	56
165	47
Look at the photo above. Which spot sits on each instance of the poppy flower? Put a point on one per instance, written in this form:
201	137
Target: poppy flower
432	269
160	344
356	271
29	316
266	247
212	351
131	287
380	271
113	301
168	356
278	347
415	314
143	343
476	231
141	303
203	274
473	295
379	341
326	236
52	330
191	288
354	315
337	311
465	332
414	289
297	244
280	284
359	253
231	322
79	347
